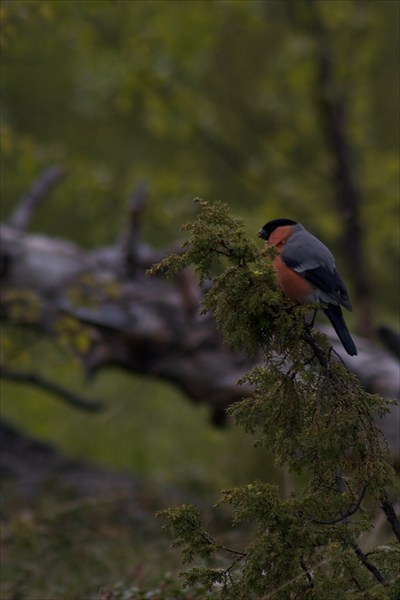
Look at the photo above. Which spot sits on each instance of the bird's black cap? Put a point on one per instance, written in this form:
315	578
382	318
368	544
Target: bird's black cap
269	227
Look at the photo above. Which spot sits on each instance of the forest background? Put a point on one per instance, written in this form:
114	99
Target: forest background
217	99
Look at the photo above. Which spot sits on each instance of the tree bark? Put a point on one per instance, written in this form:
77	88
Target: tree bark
142	324
349	197
146	325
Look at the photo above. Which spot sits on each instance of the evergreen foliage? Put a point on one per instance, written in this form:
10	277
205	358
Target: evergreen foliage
315	417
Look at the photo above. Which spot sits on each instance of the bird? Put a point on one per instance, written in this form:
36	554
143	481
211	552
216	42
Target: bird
306	273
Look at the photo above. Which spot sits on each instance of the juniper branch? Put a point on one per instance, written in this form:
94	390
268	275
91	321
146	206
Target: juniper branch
345	515
318	351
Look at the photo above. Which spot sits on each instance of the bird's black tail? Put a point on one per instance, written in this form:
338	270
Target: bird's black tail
334	314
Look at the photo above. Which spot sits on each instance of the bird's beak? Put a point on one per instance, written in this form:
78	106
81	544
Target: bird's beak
261	234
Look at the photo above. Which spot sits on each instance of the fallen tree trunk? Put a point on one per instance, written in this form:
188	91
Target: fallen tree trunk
143	324
146	325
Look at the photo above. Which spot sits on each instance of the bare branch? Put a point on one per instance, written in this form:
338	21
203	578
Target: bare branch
53	388
359	553
239	555
22	215
132	239
318	351
307	573
368	564
389	511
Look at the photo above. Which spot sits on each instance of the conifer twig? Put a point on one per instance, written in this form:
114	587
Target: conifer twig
345	515
359	553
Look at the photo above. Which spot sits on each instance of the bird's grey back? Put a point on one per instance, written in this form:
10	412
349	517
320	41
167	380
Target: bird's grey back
307	252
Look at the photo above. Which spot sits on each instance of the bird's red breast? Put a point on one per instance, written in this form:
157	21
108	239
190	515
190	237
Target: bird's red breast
291	283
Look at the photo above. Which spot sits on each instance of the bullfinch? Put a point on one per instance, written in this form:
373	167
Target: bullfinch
306	272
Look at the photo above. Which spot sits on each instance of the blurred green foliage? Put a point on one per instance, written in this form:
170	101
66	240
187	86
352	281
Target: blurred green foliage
147	427
208	98
65	549
56	545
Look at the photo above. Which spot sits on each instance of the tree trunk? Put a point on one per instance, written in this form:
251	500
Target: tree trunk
146	325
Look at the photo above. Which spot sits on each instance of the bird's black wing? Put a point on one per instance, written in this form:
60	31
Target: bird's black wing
335	316
322	278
